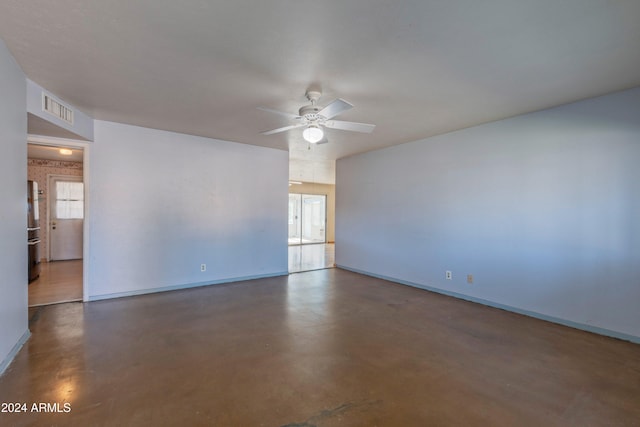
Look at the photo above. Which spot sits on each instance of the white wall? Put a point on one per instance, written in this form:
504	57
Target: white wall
13	212
543	209
162	203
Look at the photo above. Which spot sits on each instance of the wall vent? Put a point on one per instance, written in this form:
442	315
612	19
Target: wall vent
56	108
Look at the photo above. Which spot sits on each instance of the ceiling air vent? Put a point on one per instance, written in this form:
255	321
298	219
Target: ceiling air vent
53	106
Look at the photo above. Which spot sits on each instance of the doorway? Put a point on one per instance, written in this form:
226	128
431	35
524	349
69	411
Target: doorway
307	219
58	167
308	247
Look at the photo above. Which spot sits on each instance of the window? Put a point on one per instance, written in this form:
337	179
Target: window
69	200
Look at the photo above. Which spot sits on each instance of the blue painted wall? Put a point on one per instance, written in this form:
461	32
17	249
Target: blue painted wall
13	207
542	209
163	203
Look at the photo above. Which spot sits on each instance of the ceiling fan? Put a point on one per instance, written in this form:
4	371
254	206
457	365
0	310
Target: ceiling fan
314	119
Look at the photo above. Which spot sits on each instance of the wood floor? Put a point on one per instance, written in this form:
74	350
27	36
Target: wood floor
59	281
321	348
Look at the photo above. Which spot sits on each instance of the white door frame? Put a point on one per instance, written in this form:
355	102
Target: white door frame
86	147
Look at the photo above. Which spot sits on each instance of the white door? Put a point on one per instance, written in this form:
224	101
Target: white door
66	217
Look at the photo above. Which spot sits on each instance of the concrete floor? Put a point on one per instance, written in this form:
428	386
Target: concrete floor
322	348
311	257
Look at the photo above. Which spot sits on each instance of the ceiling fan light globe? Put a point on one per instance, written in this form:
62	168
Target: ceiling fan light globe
313	134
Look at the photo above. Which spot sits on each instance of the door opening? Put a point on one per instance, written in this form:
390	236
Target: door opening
308	247
61	196
307	219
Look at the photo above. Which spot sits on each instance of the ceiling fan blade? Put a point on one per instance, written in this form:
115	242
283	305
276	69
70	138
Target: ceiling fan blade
283	129
336	107
281	113
352	126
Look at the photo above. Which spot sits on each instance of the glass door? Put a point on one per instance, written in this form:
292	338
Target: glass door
307	219
313	218
295	229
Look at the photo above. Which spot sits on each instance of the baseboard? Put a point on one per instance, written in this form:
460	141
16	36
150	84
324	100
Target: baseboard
14	351
184	286
552	319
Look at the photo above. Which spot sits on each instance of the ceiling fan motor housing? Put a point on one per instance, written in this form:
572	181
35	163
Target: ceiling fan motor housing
310	114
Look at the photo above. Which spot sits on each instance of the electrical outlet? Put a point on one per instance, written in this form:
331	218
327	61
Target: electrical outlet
203	267
469	278
447	275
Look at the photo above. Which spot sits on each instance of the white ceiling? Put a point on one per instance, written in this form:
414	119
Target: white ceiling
415	68
46	152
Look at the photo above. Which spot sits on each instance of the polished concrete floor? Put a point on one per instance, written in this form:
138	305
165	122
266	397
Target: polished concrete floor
322	348
59	281
311	257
